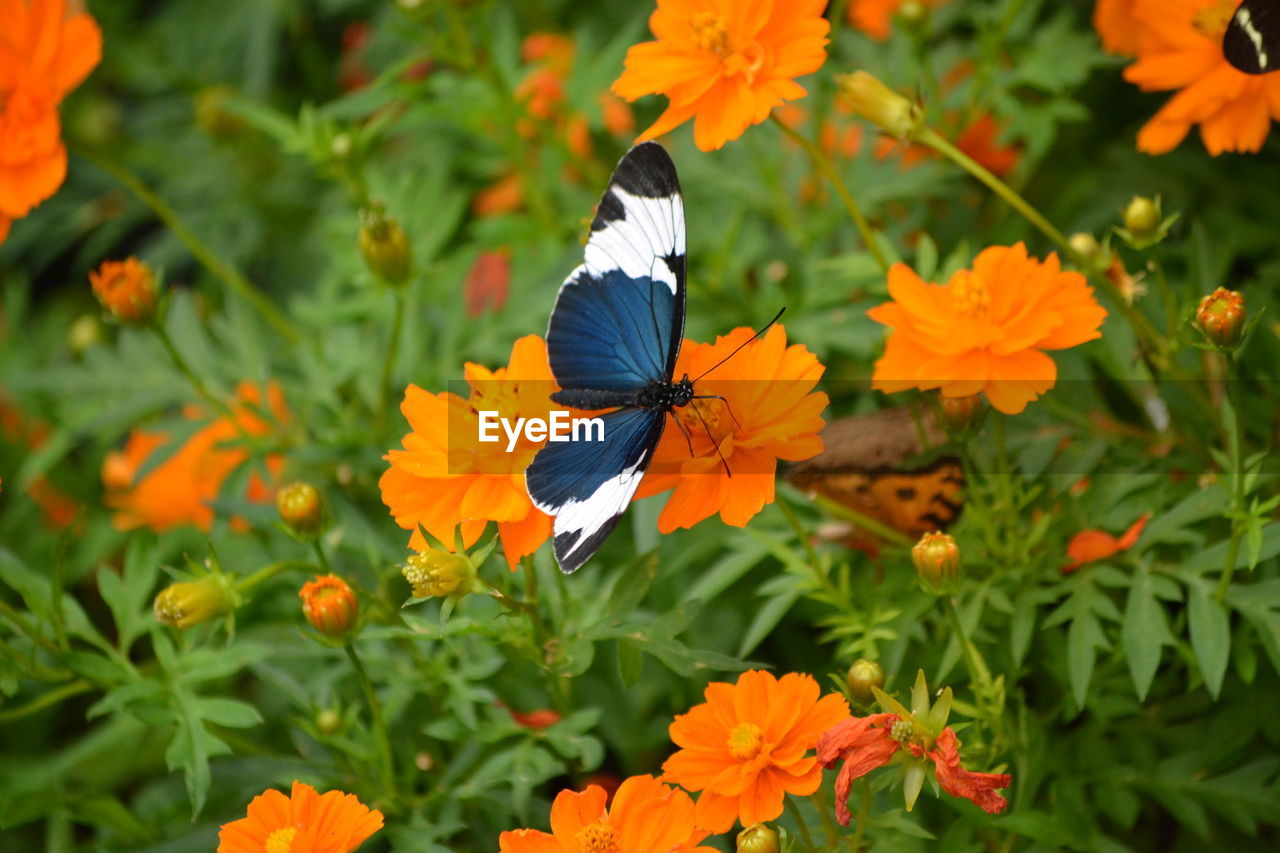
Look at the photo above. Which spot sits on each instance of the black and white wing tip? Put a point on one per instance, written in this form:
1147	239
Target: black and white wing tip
1252	40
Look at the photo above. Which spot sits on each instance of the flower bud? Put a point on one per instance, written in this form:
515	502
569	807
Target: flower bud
861	677
757	838
126	289
330	605
879	104
384	245
1085	245
913	12
1221	317
960	414
1142	217
937	559
189	603
437	574
301	509
84	333
328	721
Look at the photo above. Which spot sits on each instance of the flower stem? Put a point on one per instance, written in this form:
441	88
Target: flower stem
1235	450
202	253
884	531
323	560
184	368
864	816
385	391
266	573
379	724
823	165
972	658
45	700
801	824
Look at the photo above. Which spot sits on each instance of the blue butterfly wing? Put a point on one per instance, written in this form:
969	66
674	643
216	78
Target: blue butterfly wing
588	485
616	327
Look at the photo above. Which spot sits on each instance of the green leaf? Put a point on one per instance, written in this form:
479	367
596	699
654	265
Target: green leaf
1145	631
1210	637
630	661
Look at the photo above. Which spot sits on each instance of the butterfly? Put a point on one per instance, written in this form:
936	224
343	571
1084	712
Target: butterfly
1252	40
613	340
878	466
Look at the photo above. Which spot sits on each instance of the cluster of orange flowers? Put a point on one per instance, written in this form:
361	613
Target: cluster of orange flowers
58	509
46	50
1177	46
445	480
180	489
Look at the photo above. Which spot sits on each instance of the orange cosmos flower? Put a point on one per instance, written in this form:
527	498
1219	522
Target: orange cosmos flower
1181	48
332	822
485	287
180	489
986	330
1090	546
645	817
44	54
874	17
726	65
445	478
505	195
865	743
769	412
1117	27
126	289
749	744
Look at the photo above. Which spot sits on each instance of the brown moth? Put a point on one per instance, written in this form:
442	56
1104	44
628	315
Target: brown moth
866	465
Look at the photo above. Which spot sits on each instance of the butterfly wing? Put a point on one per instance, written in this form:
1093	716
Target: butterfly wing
616	328
1252	40
587	486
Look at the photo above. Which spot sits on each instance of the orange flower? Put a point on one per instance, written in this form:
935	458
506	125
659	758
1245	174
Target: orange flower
445	478
127	289
874	17
1181	48
485	287
179	490
44	54
1117	27
505	195
542	718
769	412
748	746
645	817
986	330
330	605
726	65
865	743
1090	546
332	822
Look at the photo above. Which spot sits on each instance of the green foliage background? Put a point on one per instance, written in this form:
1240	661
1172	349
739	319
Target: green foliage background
1137	707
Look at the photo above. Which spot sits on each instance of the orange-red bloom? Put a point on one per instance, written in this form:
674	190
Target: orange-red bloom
865	743
445	478
874	17
987	329
180	489
126	289
1117	27
485	287
44	54
645	817
725	65
749	745
330	605
769	412
303	822
1180	47
1090	546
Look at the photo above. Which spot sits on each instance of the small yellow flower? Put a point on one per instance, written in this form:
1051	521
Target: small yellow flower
188	603
880	105
436	574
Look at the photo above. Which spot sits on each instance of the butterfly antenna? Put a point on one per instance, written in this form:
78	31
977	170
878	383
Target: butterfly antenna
683	432
738	349
714	443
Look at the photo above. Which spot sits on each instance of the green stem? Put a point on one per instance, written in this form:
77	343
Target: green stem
385	392
973	660
266	573
864	816
379	724
202	253
1236	452
184	368
17	619
45	700
879	528
829	826
823	165
801	824
321	558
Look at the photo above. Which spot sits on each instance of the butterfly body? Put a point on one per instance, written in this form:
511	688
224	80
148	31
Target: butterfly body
613	340
1252	40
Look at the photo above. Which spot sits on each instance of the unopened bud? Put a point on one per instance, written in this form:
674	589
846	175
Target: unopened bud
384	245
1085	245
961	414
913	12
1221	317
189	603
937	559
301	509
127	290
328	721
880	105
84	333
437	574
1142	217
757	838
861	677
330	605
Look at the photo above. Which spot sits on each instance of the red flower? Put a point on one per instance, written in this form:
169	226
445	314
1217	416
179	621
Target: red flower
979	788
1090	546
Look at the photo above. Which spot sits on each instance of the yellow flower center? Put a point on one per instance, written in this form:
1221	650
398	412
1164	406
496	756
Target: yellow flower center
902	731
599	837
745	741
971	293
701	418
1213	19
281	841
710	33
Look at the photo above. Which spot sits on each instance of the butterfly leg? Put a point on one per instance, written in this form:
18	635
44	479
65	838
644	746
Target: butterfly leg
727	407
705	426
